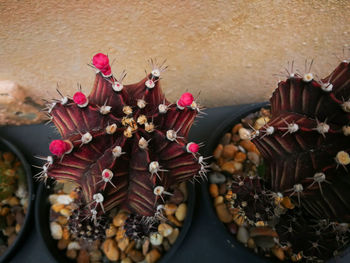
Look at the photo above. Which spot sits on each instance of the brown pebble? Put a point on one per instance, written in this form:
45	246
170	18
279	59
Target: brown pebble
145	247
236	138
13	201
62	244
62	220
218	200
263	231
278	252
95	255
172	238
11	239
174	220
66	212
83	257
4	211
260	122
254	158
111	231
10	219
218	151
214	190
120	233
18	228
165	229
120	219
123	243
110	249
177	197
223	213
153	256
57	207
65	234
72	253
287	203
251	243
130	246
170	209
240	157
222	189
20	217
236	128
8	231
181	212
184	191
136	255
249	146
226	139
239	219
229	167
229	151
126	260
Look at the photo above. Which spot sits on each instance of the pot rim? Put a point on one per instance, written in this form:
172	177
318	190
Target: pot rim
9	146
42	208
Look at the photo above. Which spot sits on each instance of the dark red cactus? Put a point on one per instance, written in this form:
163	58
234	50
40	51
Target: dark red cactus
306	144
128	143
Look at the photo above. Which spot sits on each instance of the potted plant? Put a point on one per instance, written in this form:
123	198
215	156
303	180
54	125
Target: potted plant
123	160
281	173
16	191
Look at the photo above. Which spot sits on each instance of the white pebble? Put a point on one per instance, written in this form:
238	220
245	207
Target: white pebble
56	230
242	235
244	134
156	239
53	199
217	178
73	245
64	199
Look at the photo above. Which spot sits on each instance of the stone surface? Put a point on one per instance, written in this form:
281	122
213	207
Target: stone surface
110	249
223	213
217	178
242	235
181	211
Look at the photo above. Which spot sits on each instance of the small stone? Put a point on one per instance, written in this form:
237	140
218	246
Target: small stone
170	209
166	244
53	199
123	243
174	220
10	219
236	128
213	190
18	228
236	138
264	242
232	227
229	167
254	158
4	211
66	212
56	230
13	201
62	220
65	234
120	233
217	178
110	249
73	245
218	151
111	231
244	134
119	219
20	217
57	207
83	257
96	255
240	157
165	229
8	231
251	243
145	247
136	255
64	199
237	166
177	197
239	219
72	254
62	244
278	252
222	189
242	235
126	260
130	246
184	191
218	200
156	239
287	203
153	256
223	213
249	146
260	122
181	211
226	139
229	151
172	238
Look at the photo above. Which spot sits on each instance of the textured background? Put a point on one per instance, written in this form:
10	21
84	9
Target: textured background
228	50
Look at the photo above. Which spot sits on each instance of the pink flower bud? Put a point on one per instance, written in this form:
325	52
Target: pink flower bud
185	100
59	147
101	62
79	98
192	147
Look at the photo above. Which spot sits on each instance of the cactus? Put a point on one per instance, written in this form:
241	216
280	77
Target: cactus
10	172
124	146
306	148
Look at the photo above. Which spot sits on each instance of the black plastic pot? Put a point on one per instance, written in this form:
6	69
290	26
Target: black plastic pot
238	250
42	210
6	145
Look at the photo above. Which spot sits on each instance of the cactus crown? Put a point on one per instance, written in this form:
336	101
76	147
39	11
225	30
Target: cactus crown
124	146
306	144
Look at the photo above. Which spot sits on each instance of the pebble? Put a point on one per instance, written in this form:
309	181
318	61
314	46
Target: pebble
83	257
251	243
66	212
249	146
242	235
62	220
260	122
244	134
64	199
110	249
57	207
177	197
263	231
62	244
254	158
218	151
218	200
145	247
174	220
240	157
126	260
184	191
222	189
236	128
214	190
153	256
56	230
4	211
53	199
264	242
73	245
229	151
136	255
172	238
10	219
181	211
123	243
8	231
278	252
229	167
72	254
120	219
95	255
111	231
156	239
166	245
18	228
217	178
165	230
226	139
170	209
223	213
232	227
237	166
13	201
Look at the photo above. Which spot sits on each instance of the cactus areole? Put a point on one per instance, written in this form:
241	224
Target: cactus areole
116	147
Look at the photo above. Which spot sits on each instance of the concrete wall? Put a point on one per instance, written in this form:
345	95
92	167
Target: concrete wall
229	50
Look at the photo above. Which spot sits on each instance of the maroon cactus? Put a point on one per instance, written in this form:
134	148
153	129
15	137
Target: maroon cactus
306	144
124	146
